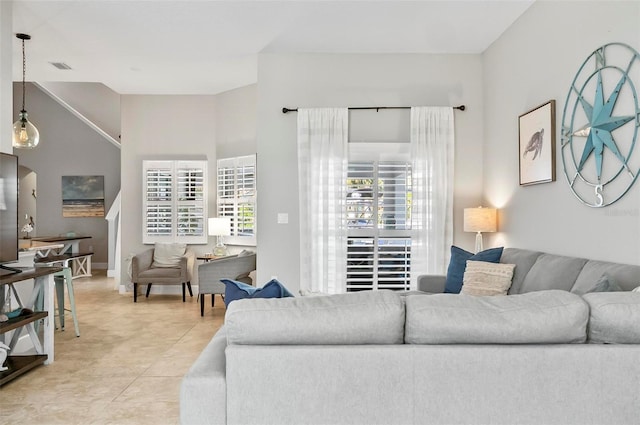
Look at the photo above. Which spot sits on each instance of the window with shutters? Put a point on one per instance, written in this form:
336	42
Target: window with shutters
378	220
175	201
237	198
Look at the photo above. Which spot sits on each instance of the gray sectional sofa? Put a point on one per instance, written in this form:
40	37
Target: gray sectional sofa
547	354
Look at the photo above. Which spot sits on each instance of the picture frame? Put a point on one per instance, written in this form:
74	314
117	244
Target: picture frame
537	144
83	196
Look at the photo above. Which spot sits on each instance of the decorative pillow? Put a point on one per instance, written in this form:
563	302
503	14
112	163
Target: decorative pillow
483	278
235	290
458	263
168	254
605	284
245	253
636	289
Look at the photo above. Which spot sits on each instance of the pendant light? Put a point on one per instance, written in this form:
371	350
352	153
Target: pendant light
25	134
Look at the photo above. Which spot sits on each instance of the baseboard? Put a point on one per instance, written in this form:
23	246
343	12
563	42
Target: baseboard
99	266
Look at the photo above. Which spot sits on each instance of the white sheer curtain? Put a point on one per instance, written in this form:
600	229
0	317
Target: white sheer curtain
322	167
432	148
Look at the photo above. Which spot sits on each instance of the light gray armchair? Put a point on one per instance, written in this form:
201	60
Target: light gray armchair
235	267
143	272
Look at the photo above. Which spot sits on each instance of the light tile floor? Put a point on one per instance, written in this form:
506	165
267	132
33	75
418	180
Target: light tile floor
126	366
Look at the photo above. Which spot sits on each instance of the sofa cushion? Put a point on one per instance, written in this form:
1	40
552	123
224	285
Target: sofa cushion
235	290
482	278
524	260
369	317
626	276
458	264
614	317
552	272
168	254
543	317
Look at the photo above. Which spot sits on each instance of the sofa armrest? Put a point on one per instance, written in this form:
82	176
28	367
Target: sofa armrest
187	263
140	263
203	392
431	283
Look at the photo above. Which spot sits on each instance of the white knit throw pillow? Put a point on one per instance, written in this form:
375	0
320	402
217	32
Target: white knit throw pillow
483	278
168	254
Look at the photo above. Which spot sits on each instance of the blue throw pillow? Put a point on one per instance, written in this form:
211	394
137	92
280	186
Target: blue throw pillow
605	284
458	264
235	290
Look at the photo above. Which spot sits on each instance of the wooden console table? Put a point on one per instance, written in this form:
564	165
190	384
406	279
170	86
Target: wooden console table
68	255
43	285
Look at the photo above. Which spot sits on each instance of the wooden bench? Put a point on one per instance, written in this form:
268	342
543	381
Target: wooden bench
79	262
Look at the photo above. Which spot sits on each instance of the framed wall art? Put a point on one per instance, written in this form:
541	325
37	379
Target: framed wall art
537	141
83	196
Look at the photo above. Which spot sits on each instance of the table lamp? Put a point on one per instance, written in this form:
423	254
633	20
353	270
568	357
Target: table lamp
219	227
480	220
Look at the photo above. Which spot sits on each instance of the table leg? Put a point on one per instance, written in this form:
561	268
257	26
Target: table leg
45	285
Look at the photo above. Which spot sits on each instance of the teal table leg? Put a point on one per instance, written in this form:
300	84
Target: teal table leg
65	276
60	296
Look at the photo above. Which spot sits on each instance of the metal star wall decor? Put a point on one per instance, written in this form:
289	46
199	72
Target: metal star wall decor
598	133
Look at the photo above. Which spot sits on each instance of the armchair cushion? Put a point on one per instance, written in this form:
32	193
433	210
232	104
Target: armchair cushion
144	270
168	254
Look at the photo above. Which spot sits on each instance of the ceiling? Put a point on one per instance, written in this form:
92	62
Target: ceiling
209	46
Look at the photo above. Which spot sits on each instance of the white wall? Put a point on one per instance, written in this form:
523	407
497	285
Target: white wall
318	80
6	77
532	62
161	127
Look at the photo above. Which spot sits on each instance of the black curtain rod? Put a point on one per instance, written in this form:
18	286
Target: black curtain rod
377	108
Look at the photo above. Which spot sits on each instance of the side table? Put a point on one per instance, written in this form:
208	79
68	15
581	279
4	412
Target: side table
43	284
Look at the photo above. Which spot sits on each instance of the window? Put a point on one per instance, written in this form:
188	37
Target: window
174	205
378	221
237	197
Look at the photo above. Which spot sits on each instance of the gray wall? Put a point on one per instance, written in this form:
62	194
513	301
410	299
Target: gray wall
97	102
68	147
235	114
28	204
531	63
318	80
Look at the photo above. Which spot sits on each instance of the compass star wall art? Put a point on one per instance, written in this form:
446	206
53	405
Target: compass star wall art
600	122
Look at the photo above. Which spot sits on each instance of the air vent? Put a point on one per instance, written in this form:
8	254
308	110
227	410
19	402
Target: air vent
60	65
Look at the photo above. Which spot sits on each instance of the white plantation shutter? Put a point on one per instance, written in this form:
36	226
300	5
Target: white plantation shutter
379	225
175	201
237	197
158	201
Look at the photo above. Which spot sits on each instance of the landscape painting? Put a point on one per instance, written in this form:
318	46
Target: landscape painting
83	196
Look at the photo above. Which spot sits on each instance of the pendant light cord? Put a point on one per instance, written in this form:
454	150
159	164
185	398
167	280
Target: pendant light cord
24	73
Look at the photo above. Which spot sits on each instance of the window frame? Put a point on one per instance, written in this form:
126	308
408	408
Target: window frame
180	200
375	154
241	195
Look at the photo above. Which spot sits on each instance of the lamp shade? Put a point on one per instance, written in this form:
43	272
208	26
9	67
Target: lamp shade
219	226
480	219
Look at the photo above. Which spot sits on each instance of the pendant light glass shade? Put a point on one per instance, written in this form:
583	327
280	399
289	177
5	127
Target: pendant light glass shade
25	134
